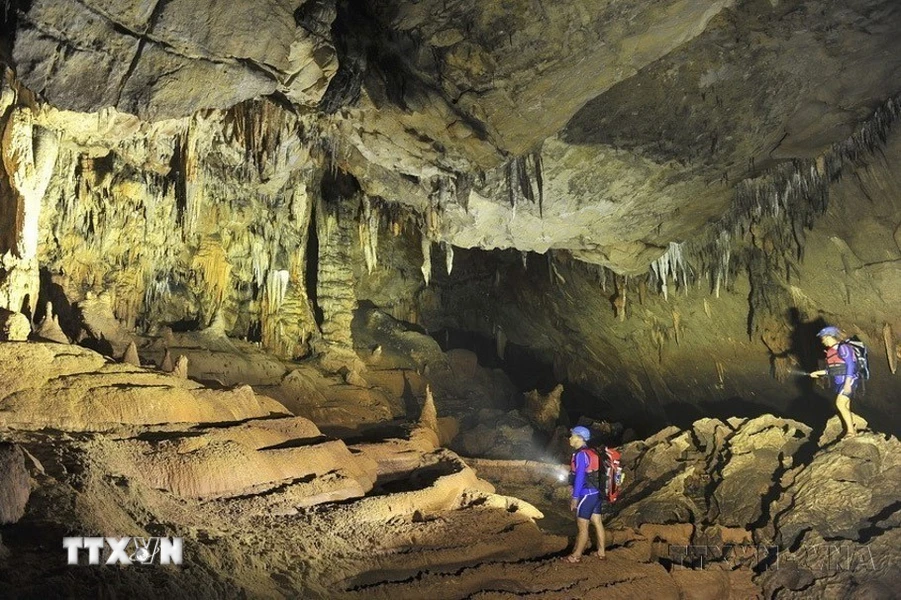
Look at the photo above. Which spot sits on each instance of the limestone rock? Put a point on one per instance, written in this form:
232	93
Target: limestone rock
543	410
755	454
15	485
101	323
846	491
835	431
207	468
14	326
78	390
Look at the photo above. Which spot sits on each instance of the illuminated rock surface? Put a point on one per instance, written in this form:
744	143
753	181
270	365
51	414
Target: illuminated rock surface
269	269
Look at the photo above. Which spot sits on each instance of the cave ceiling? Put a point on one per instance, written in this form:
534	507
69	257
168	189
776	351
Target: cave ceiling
605	128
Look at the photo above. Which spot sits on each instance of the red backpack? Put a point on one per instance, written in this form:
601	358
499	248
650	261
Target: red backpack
613	479
609	476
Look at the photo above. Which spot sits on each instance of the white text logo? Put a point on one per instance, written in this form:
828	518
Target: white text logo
125	550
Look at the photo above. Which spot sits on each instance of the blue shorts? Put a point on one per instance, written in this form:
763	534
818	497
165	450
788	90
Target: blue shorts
588	505
837	387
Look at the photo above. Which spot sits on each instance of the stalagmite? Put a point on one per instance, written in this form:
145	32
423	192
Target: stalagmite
166	365
49	328
426	268
889	339
131	355
428	417
449	257
181	367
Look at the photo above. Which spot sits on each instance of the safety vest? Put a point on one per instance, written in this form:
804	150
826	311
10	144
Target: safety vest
835	365
594	461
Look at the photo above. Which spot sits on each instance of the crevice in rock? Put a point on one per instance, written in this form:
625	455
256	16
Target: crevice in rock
351	37
873	530
311	266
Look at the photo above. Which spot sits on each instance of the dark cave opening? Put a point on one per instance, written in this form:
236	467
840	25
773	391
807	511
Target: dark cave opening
527	372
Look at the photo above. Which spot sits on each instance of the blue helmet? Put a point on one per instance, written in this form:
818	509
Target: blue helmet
582	432
828	330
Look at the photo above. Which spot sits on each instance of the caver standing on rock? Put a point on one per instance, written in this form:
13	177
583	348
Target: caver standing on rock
586	498
841	364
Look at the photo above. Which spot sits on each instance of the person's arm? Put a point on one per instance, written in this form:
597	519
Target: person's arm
579	479
820	373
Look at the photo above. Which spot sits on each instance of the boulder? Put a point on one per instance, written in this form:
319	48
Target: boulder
14	326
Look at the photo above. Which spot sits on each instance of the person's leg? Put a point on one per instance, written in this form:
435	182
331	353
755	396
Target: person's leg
843	404
581	540
599	532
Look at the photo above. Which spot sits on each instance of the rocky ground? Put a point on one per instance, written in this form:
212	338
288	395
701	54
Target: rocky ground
269	506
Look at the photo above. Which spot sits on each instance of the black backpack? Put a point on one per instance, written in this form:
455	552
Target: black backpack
860	355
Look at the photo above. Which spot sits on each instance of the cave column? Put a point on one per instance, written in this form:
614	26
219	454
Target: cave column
288	320
29	155
338	233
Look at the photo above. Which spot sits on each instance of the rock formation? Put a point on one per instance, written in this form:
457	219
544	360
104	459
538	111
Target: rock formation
649	208
15	485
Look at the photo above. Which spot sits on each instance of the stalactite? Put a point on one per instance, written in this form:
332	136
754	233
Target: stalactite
888	338
539	180
619	300
500	341
671	263
508	177
463	188
522	176
524	256
519	180
369	231
448	257
791	195
276	288
426	245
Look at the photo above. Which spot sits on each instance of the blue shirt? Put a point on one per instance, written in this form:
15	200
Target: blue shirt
581	487
846	353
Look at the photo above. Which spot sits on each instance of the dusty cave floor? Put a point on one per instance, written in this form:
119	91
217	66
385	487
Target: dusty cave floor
271	507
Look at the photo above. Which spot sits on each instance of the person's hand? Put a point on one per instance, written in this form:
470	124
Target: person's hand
816	374
573	505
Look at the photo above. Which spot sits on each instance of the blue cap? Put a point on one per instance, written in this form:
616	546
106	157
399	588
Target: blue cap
582	432
829	330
